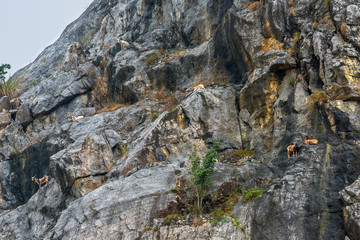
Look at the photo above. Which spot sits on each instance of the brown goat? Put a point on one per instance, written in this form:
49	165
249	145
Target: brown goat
310	141
292	149
41	181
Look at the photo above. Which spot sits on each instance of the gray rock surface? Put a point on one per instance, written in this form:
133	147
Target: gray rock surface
119	109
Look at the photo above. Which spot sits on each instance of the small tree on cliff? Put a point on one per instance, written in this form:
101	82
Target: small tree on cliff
3	71
201	171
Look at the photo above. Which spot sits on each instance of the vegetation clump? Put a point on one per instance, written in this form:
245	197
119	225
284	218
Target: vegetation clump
316	99
154	116
244	153
251	194
201	171
10	87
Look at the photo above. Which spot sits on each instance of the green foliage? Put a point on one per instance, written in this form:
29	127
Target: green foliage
201	171
326	3
154	116
155	228
171	218
251	194
316	99
291	81
147	228
244	153
3	71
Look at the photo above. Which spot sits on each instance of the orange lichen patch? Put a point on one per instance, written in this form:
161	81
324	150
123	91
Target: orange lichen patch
271	44
291	2
270	98
352	70
166	152
180	121
254	6
47	120
83	186
110	108
314	25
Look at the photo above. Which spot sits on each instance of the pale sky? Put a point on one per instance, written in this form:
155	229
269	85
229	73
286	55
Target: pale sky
28	26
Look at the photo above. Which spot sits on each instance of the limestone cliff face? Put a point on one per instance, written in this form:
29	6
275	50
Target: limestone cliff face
114	119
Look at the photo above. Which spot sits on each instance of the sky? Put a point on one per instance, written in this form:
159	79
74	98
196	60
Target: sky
29	26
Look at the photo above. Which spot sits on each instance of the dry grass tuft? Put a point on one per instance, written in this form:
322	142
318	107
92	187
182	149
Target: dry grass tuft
271	44
111	107
317	98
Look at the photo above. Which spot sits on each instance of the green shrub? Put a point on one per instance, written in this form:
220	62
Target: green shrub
316	99
201	171
251	194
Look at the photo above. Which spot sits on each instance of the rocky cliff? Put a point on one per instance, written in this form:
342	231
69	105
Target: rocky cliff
110	112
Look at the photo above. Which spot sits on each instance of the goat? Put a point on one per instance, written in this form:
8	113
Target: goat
292	149
198	87
74	119
41	181
310	141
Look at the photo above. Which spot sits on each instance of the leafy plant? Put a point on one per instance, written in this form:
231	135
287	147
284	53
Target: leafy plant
3	71
316	99
251	194
201	171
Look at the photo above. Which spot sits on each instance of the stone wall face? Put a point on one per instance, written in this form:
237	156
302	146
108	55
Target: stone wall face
131	86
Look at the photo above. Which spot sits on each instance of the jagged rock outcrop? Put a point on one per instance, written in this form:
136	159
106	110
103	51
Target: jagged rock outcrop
117	113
